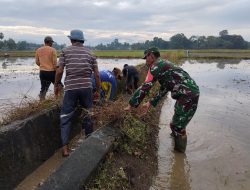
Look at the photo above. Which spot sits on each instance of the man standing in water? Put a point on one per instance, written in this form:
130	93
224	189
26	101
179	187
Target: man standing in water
182	87
79	63
46	59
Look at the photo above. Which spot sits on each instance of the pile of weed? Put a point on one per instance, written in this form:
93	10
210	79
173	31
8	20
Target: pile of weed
26	108
132	164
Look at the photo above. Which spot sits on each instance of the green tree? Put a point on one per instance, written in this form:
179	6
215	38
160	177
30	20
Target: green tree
22	45
1	36
1	44
160	43
179	41
223	33
236	41
10	44
212	42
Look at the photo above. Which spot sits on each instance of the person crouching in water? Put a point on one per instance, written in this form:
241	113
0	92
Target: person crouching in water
182	87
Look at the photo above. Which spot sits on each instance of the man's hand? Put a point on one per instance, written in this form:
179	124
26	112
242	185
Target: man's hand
96	96
128	108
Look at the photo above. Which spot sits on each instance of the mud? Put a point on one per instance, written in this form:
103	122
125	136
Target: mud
218	151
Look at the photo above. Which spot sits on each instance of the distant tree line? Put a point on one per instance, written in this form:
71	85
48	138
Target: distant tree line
11	45
178	41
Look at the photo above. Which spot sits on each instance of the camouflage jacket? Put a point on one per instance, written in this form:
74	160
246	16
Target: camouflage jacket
171	78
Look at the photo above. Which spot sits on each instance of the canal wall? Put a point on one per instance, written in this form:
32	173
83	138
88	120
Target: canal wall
26	144
76	171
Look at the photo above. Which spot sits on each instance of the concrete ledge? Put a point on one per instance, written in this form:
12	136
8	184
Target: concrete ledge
26	144
80	165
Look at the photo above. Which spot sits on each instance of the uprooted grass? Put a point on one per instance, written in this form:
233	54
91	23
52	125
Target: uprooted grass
26	108
133	163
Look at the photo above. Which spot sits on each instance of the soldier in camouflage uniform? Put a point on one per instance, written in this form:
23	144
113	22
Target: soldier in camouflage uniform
182	87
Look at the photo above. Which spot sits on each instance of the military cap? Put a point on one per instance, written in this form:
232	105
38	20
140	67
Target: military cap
150	50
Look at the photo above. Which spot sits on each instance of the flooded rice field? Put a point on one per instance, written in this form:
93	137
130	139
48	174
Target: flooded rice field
218	151
19	79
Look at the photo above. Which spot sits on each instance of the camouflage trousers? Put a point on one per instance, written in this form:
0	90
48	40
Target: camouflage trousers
185	108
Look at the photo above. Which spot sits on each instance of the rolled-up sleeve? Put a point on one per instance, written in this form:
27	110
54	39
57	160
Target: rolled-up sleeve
143	90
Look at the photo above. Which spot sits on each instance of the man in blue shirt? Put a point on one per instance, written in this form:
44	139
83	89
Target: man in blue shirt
108	85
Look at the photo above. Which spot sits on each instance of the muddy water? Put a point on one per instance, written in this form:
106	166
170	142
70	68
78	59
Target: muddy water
218	150
19	79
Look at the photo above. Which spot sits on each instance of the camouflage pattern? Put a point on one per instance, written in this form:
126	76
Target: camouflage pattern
182	87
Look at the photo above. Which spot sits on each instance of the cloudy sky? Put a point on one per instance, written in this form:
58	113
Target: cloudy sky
130	21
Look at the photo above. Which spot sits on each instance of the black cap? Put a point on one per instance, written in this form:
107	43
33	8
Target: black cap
48	39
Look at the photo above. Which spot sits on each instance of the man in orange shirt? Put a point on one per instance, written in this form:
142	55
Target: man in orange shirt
46	59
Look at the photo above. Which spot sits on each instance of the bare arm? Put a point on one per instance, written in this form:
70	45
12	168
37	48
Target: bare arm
59	73
37	59
97	77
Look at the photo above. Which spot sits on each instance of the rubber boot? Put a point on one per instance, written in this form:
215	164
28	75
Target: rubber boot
180	142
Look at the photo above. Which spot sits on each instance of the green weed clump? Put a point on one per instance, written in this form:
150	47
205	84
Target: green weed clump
110	178
135	132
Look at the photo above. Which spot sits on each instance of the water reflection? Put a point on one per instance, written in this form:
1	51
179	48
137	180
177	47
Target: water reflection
173	167
220	63
180	175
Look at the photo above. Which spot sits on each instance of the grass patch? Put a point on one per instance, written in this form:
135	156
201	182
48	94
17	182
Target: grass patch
173	55
106	53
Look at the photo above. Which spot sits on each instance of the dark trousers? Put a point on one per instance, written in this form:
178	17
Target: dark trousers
132	83
70	101
46	78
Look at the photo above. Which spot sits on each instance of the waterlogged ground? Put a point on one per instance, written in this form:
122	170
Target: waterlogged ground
20	83
218	151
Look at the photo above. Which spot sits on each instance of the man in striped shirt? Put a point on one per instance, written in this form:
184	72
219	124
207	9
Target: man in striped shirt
79	64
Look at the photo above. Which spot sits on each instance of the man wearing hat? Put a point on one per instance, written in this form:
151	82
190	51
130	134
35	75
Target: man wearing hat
79	63
46	59
182	87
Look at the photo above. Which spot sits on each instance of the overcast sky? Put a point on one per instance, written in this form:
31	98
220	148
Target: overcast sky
130	21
